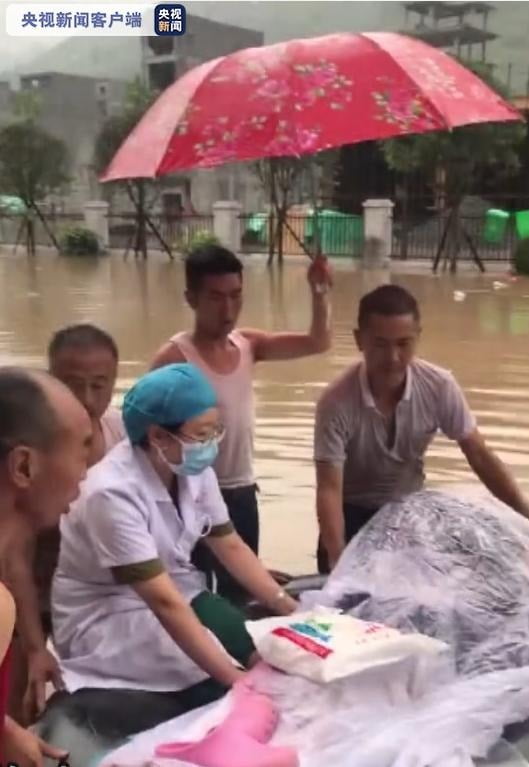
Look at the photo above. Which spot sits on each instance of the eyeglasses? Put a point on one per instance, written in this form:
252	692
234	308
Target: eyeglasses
217	434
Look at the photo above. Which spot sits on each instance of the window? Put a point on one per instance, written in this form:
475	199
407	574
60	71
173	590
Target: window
162	75
102	107
161	46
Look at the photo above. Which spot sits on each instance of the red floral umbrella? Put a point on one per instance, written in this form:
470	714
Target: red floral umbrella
304	96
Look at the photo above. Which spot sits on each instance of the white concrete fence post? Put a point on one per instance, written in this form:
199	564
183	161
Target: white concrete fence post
96	219
227	224
378	232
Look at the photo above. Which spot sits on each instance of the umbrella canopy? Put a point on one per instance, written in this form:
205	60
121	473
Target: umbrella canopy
304	96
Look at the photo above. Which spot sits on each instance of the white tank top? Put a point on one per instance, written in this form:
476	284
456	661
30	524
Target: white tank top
234	464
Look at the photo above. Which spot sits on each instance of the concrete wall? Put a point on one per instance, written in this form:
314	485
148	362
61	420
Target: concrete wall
230	182
74	109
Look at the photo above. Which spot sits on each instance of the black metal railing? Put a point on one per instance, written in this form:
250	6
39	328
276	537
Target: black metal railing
12	227
420	237
178	232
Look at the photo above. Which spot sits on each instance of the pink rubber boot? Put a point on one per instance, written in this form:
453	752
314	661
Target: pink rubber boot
228	748
239	741
252	713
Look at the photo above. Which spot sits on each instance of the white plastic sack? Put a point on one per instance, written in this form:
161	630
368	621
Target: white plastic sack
323	645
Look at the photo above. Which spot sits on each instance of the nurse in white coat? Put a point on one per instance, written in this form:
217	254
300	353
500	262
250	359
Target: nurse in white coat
130	611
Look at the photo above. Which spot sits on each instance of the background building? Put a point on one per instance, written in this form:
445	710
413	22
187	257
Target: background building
72	108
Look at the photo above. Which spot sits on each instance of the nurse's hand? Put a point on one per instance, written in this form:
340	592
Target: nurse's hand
239	677
25	749
42	668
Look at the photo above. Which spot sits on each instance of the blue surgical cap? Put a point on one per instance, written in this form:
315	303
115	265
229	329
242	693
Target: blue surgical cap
167	396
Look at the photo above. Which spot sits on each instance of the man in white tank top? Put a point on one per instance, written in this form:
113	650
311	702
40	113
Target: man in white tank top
214	291
84	358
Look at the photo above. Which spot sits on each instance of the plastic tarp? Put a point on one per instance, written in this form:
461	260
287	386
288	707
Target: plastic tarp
448	568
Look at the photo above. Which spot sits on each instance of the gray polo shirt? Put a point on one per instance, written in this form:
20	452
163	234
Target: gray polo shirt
352	433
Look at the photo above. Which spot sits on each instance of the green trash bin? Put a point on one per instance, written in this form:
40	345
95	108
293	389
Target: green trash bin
495	225
522	223
257	228
12	206
341	234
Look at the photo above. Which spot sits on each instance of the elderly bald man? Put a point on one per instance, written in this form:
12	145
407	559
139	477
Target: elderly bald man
45	436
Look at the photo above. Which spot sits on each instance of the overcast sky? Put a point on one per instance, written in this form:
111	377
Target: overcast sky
279	20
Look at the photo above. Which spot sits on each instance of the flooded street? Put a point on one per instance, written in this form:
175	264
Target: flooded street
482	339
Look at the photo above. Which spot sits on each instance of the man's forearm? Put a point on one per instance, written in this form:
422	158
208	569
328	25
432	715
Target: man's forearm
498	479
22	585
331	522
320	329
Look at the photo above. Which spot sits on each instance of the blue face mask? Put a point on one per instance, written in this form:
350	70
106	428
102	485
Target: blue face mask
196	456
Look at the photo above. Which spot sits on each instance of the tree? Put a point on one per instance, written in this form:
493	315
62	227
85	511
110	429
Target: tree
142	192
33	165
458	157
279	177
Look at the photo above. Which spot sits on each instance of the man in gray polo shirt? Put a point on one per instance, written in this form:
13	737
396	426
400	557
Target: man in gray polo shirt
375	422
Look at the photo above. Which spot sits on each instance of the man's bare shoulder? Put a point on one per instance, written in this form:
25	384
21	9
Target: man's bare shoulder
167	354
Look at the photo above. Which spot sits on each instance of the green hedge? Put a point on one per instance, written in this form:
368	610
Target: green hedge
78	241
199	239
